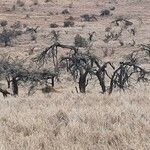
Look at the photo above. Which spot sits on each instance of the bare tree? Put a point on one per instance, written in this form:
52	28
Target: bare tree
122	76
41	77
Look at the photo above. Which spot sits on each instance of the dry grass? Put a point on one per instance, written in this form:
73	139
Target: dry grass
66	120
70	121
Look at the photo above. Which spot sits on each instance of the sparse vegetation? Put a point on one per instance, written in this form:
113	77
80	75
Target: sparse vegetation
66	11
105	12
68	23
73	76
79	41
89	17
54	25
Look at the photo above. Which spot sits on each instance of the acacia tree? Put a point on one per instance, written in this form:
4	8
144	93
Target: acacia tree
79	64
125	74
41	77
101	74
13	71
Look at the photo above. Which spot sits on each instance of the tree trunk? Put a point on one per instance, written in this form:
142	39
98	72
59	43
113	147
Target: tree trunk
14	86
82	82
8	81
52	81
102	82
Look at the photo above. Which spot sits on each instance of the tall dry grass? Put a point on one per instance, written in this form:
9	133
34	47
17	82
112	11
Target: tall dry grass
71	121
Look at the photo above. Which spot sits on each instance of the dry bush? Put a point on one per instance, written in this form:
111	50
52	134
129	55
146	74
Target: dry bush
112	8
7	35
89	17
68	23
79	41
3	23
66	11
105	12
54	25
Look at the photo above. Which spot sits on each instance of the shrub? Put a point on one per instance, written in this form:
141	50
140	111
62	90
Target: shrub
70	18
105	13
66	11
80	41
88	17
7	35
112	8
3	23
54	25
68	23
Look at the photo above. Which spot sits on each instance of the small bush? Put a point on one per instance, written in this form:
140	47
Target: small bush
112	8
3	23
105	13
79	41
7	35
54	25
68	23
88	17
66	11
70	18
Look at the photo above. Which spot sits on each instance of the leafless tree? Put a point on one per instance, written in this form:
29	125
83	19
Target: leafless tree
125	73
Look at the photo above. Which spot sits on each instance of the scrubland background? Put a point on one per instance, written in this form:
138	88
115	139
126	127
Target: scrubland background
65	120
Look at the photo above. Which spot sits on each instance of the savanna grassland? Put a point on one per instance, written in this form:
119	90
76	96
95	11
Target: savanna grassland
64	118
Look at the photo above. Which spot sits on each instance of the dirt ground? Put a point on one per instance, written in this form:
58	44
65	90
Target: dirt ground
65	120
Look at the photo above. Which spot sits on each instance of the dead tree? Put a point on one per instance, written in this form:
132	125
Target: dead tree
78	65
122	76
123	20
101	74
83	82
41	77
14	86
